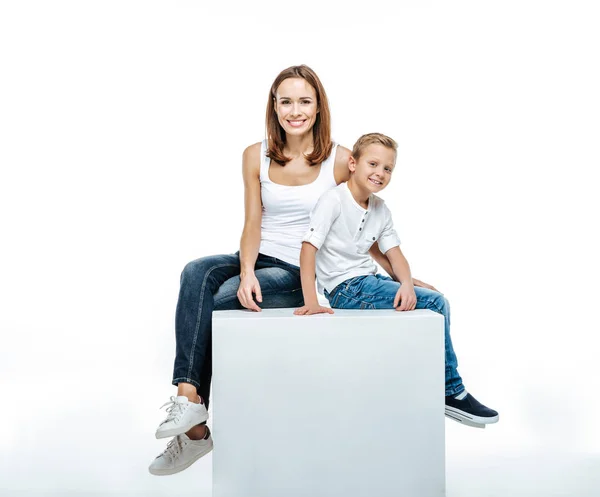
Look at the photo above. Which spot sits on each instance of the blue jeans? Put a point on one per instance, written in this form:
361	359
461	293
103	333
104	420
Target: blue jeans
378	292
211	283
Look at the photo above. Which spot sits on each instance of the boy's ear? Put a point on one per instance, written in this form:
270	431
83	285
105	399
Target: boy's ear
351	164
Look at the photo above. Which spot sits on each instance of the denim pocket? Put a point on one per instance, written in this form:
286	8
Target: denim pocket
353	286
344	301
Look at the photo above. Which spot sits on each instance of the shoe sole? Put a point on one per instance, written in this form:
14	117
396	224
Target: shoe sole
172	471
180	430
469	419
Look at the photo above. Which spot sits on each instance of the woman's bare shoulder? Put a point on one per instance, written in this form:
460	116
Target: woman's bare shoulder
251	157
341	171
252	150
342	154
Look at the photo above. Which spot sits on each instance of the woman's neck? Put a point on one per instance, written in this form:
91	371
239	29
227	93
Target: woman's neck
298	146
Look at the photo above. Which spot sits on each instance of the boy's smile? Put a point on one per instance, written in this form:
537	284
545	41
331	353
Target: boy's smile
372	171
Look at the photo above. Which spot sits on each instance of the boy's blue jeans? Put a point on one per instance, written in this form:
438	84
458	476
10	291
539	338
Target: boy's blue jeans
378	292
211	283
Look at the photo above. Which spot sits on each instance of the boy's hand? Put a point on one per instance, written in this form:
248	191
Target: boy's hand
407	298
307	310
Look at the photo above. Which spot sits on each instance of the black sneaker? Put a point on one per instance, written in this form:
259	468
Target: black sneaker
469	411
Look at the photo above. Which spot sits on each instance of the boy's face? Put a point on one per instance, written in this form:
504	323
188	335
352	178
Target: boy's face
373	169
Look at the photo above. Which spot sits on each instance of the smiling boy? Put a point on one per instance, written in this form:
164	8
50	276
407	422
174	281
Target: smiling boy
345	224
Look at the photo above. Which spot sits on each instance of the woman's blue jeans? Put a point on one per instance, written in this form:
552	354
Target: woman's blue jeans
378	292
211	283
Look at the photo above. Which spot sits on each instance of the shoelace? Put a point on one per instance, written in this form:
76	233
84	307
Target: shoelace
174	410
174	448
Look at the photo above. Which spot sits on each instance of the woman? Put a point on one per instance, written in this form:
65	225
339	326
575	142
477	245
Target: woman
284	176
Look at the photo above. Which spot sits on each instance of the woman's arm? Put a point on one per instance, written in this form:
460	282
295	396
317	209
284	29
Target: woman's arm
250	242
341	172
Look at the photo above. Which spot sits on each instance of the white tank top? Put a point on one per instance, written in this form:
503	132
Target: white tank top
286	209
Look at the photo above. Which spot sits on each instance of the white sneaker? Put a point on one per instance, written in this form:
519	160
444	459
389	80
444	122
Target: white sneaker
182	416
181	453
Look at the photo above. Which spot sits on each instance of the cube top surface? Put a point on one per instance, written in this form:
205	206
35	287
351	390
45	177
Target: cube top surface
422	314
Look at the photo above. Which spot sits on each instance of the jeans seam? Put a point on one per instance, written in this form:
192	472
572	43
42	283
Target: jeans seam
269	292
199	315
186	380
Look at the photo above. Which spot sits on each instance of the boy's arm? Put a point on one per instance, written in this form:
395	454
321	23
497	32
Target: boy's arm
406	294
322	218
307	276
389	244
399	264
381	259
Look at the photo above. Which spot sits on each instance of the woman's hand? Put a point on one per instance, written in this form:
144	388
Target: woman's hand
249	285
417	282
407	298
307	310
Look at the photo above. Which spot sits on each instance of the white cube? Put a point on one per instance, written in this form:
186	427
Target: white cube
342	405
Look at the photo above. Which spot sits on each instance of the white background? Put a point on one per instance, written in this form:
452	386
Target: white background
122	126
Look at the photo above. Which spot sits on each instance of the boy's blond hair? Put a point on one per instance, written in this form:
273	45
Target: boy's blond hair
370	138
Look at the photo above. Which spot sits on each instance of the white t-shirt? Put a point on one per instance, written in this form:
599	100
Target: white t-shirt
343	232
286	209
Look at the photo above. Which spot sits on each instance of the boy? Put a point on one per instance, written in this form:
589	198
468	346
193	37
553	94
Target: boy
345	224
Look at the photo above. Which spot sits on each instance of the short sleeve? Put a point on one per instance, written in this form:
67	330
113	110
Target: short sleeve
324	213
388	238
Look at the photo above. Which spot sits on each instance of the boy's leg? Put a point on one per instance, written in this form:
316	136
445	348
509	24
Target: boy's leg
364	292
460	405
378	292
435	301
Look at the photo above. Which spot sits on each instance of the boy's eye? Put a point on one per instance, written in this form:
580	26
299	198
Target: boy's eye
373	164
389	169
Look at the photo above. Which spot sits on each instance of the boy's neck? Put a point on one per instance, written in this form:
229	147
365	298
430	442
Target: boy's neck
298	146
360	196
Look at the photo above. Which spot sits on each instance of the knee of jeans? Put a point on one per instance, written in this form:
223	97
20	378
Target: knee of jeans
442	304
436	302
195	269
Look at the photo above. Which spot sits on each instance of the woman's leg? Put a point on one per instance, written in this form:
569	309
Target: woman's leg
280	287
200	280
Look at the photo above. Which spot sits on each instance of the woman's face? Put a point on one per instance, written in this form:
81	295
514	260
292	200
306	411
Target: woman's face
296	106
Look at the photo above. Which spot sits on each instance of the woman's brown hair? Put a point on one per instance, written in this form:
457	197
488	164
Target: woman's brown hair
321	130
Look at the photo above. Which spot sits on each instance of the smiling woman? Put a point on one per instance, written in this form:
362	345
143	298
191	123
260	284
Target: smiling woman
284	176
